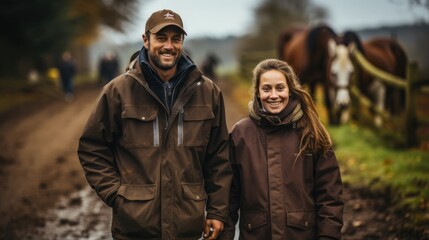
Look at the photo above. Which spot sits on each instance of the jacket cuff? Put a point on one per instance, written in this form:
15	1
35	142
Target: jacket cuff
217	217
326	238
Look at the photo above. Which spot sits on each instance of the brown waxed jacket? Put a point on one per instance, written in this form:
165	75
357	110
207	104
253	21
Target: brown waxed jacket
159	172
278	198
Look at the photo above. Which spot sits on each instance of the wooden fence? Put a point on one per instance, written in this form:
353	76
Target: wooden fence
404	127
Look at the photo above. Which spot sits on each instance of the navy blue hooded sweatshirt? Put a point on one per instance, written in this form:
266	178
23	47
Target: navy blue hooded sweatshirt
166	91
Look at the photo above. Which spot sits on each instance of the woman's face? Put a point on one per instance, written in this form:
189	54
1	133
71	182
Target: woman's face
273	91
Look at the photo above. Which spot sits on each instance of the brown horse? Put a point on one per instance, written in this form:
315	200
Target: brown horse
320	56
306	50
384	53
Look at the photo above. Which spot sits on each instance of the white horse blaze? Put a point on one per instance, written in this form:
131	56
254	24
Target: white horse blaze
341	68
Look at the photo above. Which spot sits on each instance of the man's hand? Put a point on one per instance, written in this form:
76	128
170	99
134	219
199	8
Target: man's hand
212	228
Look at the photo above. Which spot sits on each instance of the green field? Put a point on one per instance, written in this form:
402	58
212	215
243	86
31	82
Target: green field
399	175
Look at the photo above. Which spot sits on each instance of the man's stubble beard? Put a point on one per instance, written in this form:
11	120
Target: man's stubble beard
155	59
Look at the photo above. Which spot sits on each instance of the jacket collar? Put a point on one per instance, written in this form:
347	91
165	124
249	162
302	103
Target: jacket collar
183	65
191	76
290	114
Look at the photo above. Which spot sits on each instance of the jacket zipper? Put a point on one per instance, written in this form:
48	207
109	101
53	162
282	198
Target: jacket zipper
189	90
180	128
167	92
167	105
156	131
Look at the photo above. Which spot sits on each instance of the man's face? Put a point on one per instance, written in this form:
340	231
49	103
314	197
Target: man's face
164	48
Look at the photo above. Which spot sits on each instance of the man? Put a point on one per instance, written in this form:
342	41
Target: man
108	67
67	70
155	148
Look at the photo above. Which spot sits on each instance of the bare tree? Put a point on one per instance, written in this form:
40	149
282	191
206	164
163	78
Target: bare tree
41	28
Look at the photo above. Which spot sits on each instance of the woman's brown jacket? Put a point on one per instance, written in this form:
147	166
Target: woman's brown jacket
276	196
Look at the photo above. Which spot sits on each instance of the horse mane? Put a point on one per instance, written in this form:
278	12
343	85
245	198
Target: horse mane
285	37
317	45
315	34
352	37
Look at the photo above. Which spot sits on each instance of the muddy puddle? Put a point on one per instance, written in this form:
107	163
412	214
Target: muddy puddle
82	215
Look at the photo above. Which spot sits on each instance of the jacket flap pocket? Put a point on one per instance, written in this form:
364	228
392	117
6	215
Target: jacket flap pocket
142	113
250	221
194	191
137	192
304	219
197	113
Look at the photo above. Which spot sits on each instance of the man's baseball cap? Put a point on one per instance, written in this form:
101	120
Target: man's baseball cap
163	18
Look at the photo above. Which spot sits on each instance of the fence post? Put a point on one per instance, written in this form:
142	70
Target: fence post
410	108
355	101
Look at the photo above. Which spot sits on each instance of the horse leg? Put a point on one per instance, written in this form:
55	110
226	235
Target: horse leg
344	115
378	90
338	114
331	108
395	98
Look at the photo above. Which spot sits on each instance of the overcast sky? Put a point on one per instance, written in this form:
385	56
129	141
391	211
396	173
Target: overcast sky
220	18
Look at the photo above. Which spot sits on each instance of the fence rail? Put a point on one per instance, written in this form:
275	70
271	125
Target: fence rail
409	120
374	71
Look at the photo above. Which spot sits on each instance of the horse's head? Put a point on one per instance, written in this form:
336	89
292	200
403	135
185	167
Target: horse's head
339	74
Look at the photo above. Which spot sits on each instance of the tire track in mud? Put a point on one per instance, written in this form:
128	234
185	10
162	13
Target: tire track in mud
39	147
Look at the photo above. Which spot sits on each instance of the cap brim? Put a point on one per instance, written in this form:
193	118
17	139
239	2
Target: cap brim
161	26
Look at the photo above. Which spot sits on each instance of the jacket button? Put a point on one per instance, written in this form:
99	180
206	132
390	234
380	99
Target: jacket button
197	197
306	223
198	83
249	226
143	118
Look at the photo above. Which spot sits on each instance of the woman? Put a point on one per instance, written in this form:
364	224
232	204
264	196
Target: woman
287	183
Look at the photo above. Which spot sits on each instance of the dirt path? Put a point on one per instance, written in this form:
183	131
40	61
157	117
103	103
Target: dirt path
45	195
38	162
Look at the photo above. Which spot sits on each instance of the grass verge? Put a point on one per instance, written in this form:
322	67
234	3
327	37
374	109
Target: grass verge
16	92
398	175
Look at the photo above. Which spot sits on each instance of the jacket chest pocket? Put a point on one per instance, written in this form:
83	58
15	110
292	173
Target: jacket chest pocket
194	126
140	126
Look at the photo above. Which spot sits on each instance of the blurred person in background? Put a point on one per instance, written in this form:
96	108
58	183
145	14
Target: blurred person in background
108	67
209	66
156	147
67	71
287	182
